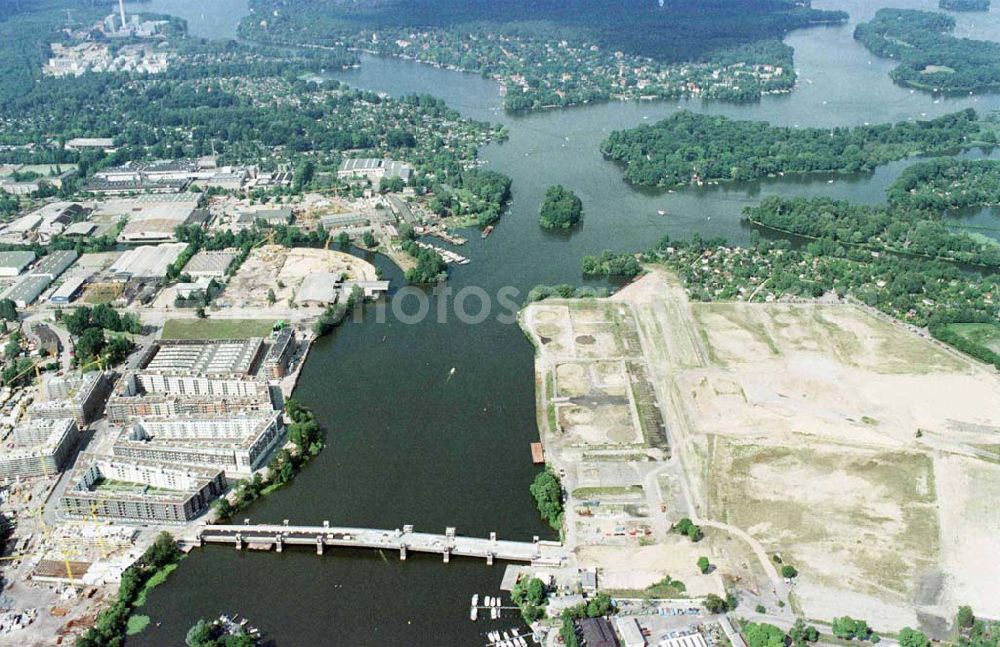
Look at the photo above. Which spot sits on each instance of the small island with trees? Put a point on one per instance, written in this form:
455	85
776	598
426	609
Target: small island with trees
561	208
930	57
964	5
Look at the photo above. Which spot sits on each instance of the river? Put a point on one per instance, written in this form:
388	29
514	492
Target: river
430	423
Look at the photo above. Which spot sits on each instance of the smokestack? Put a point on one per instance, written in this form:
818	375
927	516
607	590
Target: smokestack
121	8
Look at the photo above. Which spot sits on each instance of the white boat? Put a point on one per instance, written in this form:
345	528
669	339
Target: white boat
475	596
489	601
506	636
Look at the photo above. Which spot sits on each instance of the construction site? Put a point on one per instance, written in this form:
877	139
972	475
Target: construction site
823	436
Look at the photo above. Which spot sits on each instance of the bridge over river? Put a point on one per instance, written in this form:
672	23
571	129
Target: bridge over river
277	536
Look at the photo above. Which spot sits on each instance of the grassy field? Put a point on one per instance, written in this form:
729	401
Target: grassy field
981	334
216	328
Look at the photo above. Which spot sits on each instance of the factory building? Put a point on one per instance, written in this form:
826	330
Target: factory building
69	290
239	445
13	263
210	264
147	261
132	490
54	264
24	292
40	448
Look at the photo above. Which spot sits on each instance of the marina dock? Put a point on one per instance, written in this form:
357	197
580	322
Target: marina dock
449	256
405	540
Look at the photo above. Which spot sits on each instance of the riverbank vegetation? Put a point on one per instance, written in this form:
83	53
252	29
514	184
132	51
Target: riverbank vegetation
335	313
307	439
837	223
930	57
551	53
430	267
110	628
610	264
565	291
947	183
561	208
687	147
548	494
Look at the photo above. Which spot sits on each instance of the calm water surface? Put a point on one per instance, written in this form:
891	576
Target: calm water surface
409	445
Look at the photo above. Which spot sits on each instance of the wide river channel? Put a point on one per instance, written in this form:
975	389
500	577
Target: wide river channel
429	423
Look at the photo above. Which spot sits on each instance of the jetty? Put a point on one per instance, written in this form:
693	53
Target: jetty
405	540
449	256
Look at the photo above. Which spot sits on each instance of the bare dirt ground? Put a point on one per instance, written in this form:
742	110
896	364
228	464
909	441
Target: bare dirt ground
283	269
859	451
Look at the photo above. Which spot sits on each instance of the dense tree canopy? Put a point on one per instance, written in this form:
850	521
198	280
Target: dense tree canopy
689	147
561	208
878	228
947	183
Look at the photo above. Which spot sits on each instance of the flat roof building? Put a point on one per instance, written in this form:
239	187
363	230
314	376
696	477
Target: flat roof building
160	394
133	490
239	444
279	353
631	633
78	396
40	448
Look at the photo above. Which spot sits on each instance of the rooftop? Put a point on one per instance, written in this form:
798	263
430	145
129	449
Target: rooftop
207	357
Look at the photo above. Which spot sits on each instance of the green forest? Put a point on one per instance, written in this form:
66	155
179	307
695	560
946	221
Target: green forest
947	183
930	57
687	147
836	223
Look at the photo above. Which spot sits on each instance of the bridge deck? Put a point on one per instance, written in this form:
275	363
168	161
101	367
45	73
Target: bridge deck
542	552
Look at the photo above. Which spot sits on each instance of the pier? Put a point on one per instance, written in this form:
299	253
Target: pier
405	540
